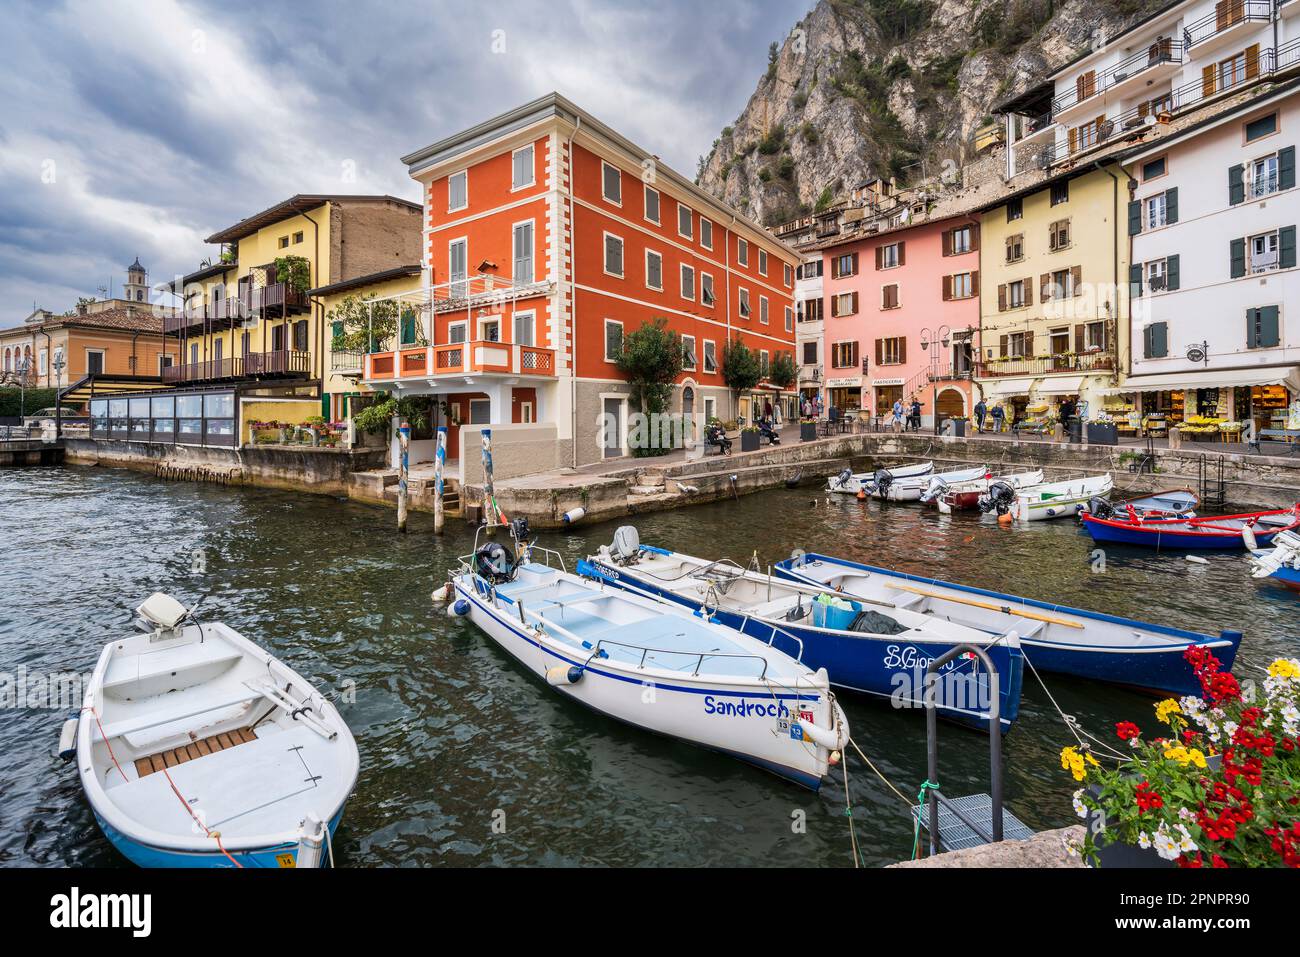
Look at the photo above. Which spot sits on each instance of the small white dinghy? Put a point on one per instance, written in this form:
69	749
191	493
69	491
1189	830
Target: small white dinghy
652	665
196	748
966	495
1059	499
851	482
893	489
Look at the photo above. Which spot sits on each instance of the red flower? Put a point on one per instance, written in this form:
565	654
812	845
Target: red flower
1147	799
1127	730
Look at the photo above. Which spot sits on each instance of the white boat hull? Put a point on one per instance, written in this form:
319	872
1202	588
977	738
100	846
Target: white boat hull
1059	499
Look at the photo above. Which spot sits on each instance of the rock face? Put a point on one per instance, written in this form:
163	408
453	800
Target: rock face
890	88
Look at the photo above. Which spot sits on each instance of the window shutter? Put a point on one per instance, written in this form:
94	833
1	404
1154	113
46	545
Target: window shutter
1002	345
975	282
880	257
1029	290
1148	337
902	349
1286	167
975	237
1080	337
1076	280
855	303
1268	327
947	288
1134	218
1236	184
1161	340
1237	258
1252	61
855	265
1135	281
1045	287
880	351
1074	139
1002	297
947	242
902	252
1171	272
1029	345
1286	247
1207	80
1171	205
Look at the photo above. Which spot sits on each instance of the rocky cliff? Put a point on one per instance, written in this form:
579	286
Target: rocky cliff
890	88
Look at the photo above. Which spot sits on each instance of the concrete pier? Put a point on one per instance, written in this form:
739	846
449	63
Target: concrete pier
17	452
1044	849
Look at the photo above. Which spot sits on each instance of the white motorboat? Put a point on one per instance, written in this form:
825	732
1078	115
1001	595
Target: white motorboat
1066	498
913	489
965	495
197	748
851	482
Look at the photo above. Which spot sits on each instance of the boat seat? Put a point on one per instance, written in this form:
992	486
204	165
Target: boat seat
132	668
187	705
195	749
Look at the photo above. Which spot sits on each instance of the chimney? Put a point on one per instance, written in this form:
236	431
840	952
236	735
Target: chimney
81	308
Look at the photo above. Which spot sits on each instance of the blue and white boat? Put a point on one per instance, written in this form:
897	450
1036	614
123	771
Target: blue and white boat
651	665
1281	563
196	748
1053	638
878	648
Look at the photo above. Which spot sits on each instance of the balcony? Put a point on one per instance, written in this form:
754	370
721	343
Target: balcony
1099	361
1230	19
275	300
1160	60
481	357
283	364
347	361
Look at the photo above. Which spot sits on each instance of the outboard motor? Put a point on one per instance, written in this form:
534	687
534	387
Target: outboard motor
492	563
1000	497
626	546
842	479
1099	507
936	488
881	482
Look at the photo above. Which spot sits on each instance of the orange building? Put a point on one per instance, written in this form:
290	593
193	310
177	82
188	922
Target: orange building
549	236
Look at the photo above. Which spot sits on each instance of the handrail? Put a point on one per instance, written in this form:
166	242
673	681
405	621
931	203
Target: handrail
700	655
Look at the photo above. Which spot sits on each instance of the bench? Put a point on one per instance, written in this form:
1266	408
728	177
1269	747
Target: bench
1290	437
130	669
195	749
189	705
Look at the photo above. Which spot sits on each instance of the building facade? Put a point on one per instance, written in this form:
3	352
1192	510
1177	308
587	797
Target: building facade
810	316
548	237
902	312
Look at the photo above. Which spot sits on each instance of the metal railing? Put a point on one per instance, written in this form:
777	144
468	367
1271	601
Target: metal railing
1227	14
281	363
1157	54
1100	361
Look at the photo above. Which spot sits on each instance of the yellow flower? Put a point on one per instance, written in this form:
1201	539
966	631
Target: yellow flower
1073	761
1167	707
1184	756
1196	757
1284	668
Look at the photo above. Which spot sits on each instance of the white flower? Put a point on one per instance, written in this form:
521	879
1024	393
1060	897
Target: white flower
1080	808
1186	814
1186	844
1071	847
1144	841
1165	844
1228	730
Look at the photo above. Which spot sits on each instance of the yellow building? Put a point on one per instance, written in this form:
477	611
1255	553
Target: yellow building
252	340
1054	299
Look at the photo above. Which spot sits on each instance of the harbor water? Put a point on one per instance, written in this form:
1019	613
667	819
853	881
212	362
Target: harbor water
467	759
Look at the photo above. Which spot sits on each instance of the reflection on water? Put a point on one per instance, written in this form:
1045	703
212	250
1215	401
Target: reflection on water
452	732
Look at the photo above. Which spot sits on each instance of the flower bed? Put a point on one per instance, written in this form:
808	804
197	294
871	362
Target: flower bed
1220	789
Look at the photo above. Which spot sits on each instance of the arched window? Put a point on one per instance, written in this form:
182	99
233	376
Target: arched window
8	360
688	401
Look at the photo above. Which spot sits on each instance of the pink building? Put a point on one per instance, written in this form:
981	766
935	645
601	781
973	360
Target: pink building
902	314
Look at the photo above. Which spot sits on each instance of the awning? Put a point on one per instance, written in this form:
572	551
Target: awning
98	384
1003	389
1288	376
1063	385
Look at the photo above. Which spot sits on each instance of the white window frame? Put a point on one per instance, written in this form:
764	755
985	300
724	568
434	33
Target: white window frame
465	205
659	256
712	290
532	169
762	262
1267	263
686	273
789	319
463	326
531	316
532	256
969	285
604	254
970	240
164	362
495	318
742	251
764	310
688	352
1156	269
605	345
604	165
659	205
787	275
743	308
835	313
885	251
706	228
1253	189
690	221
708	353
1148	207
765	362
1011	303
710	408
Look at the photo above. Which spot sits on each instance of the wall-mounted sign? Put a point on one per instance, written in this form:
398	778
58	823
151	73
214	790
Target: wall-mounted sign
850	383
886	381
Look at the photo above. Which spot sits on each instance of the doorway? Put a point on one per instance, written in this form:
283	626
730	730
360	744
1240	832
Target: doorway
612	441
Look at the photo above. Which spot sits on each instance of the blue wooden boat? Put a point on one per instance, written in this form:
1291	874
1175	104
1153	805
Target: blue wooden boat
1053	638
1281	563
1248	530
877	648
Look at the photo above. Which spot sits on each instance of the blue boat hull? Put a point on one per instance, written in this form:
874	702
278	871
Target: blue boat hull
1150	537
889	669
144	855
1161	670
1286	576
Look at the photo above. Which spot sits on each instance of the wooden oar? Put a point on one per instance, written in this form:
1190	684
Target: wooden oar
1033	616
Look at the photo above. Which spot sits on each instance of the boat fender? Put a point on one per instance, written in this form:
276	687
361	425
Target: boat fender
68	739
1248	537
822	737
574	515
563	675
833	758
440	595
1196	559
459	608
311	842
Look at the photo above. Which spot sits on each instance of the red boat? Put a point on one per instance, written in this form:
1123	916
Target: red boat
1249	530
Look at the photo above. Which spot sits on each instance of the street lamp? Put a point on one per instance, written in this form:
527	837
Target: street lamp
59	364
940	336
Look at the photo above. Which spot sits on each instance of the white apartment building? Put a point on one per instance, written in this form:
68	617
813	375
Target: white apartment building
810	307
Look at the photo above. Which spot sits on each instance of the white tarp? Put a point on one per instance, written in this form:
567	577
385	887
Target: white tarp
1211	379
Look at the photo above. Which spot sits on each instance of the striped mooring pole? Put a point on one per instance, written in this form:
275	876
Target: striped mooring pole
403	470
439	459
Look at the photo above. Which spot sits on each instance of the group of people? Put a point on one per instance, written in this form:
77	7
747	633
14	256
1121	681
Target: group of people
910	412
998	415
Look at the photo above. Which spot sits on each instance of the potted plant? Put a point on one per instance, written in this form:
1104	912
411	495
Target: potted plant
749	438
1101	432
807	430
1217	790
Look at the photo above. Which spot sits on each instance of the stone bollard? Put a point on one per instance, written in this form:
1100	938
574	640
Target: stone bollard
1058	433
1175	439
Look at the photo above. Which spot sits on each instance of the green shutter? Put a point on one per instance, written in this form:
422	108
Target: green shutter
1237	258
1135	281
1236	184
408	327
1171	205
1286	247
1268	327
1160	340
1148	342
1171	272
1286	168
1134	218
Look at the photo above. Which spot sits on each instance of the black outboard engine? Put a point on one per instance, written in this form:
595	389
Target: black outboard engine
1099	507
883	479
842	479
492	563
1000	497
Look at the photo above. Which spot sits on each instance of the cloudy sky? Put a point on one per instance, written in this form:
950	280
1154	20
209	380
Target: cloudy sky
138	128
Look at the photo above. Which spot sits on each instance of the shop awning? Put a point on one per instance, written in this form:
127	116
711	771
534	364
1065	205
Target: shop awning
1288	376
98	384
1005	389
1062	385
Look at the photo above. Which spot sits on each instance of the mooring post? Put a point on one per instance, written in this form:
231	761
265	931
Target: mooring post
439	457
489	501
403	468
